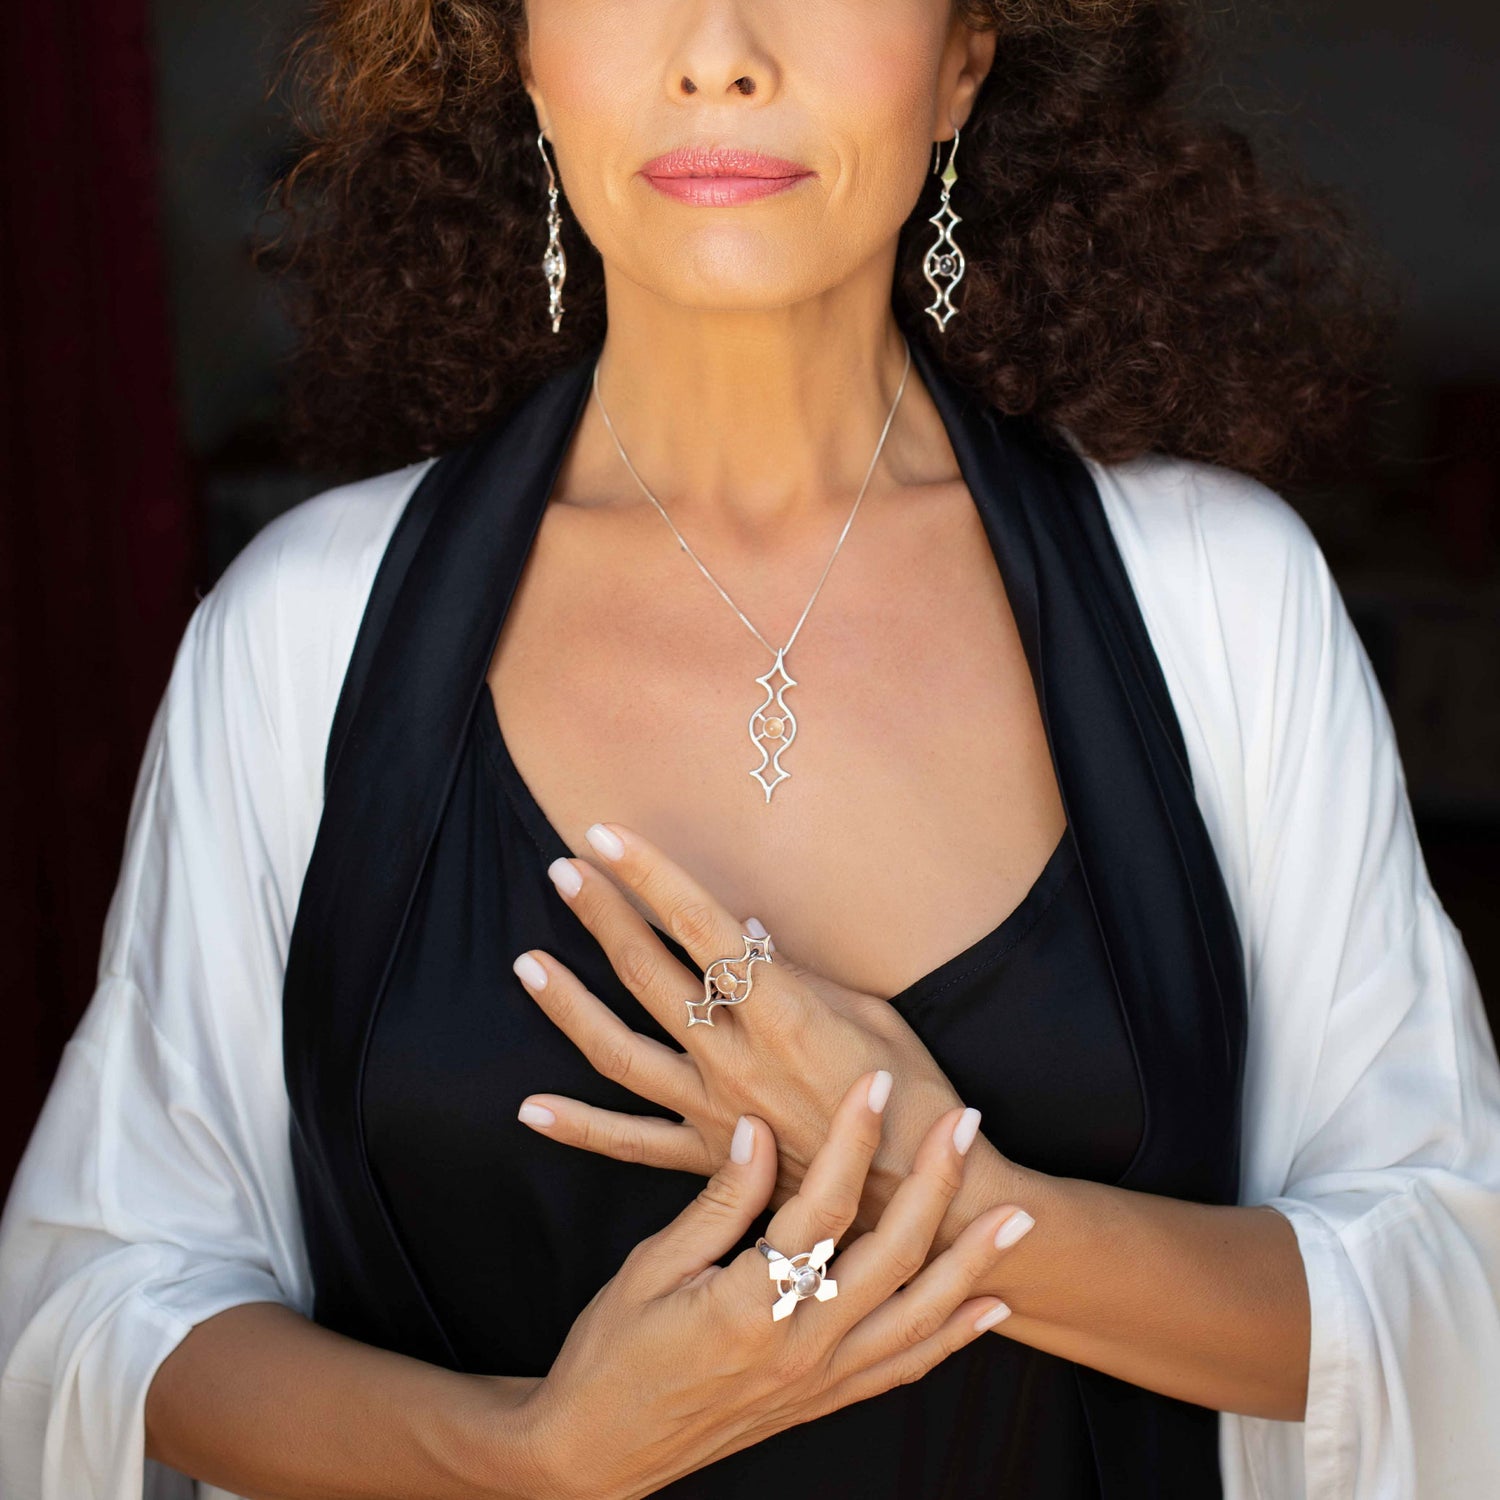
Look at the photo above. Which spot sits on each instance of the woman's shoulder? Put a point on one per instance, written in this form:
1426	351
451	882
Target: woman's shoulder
249	706
318	558
1194	526
288	606
1228	575
1252	634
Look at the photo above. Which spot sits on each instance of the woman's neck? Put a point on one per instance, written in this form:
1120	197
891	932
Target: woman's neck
743	421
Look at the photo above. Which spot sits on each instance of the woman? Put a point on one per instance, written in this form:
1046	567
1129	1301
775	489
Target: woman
377	1166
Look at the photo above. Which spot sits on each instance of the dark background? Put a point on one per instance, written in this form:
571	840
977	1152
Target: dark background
138	370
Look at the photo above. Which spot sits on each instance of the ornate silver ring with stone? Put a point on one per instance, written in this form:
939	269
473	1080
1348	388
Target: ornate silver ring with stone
722	986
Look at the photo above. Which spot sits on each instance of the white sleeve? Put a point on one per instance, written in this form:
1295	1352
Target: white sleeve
157	1187
1392	1166
1372	1089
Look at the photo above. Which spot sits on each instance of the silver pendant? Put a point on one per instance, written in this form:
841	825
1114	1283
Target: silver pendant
772	724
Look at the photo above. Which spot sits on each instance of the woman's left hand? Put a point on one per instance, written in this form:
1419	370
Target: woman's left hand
787	1054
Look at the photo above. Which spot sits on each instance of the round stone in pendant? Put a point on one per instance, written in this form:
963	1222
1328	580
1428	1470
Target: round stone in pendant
773	729
725	983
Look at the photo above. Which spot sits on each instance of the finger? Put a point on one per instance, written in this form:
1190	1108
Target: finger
635	949
691	914
674	1145
824	1210
899	1244
924	1307
828	1198
714	1222
912	1361
615	1050
687	912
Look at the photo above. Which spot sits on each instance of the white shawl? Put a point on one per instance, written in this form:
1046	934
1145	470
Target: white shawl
157	1188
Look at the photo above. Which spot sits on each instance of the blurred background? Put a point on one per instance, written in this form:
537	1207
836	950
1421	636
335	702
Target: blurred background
139	374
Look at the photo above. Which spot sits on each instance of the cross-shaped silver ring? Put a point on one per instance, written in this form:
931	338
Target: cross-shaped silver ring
798	1276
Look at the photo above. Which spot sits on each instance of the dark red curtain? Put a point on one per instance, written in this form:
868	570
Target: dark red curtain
95	524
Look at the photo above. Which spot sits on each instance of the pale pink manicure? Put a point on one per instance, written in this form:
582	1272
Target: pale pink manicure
996	1314
530	971
609	844
564	875
756	928
743	1144
535	1114
965	1130
1013	1228
880	1090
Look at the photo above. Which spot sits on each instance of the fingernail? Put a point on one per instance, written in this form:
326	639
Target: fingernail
880	1090
1013	1228
608	844
564	875
535	1114
530	971
997	1314
744	1141
754	928
965	1130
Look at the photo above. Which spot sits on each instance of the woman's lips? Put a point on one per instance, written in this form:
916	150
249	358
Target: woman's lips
720	176
720	192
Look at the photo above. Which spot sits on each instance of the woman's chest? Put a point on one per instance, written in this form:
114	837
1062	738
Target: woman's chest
1026	1025
919	803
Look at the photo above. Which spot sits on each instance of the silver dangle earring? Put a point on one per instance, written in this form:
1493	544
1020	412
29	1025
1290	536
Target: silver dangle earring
554	262
941	261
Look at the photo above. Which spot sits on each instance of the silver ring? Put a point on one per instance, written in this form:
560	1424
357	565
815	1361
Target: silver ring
722	986
798	1277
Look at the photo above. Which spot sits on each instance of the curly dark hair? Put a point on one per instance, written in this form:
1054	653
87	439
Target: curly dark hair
1134	274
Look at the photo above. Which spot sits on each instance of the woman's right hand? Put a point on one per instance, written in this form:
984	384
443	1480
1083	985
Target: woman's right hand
676	1361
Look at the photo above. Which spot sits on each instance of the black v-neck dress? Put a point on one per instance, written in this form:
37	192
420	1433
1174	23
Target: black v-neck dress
1099	1026
1025	1022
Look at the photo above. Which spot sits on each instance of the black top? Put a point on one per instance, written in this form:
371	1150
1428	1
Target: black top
407	1042
1024	1021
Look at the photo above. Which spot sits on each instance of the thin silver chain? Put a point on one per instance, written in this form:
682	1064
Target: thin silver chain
683	540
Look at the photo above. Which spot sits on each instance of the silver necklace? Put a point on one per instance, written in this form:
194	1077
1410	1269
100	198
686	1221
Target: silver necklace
772	724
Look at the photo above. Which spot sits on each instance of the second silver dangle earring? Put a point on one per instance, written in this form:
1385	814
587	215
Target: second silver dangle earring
554	262
944	258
